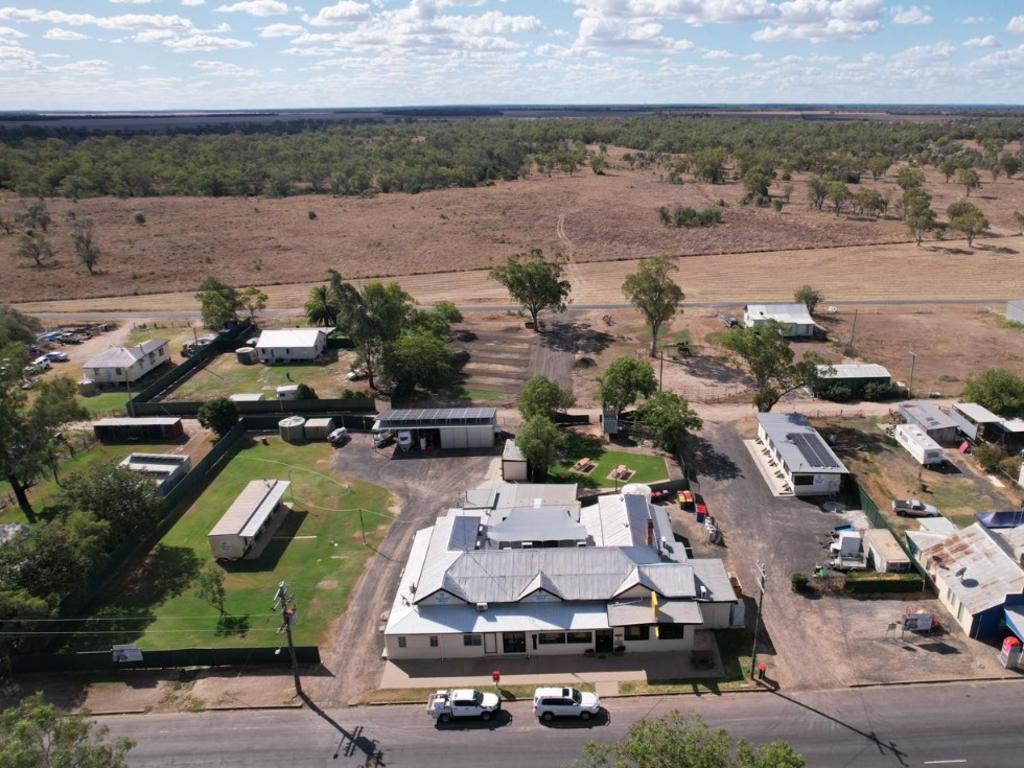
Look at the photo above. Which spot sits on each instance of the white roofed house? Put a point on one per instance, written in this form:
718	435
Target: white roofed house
547	579
126	365
798	452
248	525
794	318
290	345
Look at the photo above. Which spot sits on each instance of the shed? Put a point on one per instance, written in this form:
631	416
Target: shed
610	421
148	429
974	421
794	318
853	376
447	428
319	429
249	523
935	422
810	466
246	397
292	345
164	469
884	552
1015	310
288	392
513	463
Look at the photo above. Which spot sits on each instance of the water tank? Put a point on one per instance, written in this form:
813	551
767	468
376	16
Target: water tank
246	355
87	387
292	429
638	489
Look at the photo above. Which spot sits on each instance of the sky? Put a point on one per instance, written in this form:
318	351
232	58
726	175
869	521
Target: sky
235	54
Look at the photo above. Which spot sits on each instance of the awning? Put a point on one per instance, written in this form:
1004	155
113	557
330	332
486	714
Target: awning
629	612
1015	620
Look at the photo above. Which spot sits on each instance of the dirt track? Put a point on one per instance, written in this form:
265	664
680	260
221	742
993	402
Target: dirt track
946	270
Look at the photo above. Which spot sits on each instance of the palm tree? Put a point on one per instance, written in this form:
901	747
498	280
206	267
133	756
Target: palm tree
321	308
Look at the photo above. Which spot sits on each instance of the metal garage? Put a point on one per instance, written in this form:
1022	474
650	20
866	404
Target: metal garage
445	428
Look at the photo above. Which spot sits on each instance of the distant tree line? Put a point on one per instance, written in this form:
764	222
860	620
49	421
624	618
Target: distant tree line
357	158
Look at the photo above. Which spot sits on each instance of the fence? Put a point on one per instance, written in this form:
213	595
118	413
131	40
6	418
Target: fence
282	408
99	661
354	422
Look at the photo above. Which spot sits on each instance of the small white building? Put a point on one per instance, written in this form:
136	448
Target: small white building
794	318
164	469
126	365
885	553
925	450
446	428
292	345
853	376
935	422
513	463
809	465
250	522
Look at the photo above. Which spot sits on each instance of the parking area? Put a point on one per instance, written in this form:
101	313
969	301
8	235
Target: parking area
813	642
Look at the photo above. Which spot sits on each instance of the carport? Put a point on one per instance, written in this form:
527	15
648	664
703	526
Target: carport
446	428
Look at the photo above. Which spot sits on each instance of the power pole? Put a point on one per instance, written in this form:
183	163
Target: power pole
853	330
285	602
661	371
762	581
913	364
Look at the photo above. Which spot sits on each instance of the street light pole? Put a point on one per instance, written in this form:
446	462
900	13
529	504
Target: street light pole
285	602
763	573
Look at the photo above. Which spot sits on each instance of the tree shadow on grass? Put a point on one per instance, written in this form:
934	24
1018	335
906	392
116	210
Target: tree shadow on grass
269	558
847	441
232	625
165	573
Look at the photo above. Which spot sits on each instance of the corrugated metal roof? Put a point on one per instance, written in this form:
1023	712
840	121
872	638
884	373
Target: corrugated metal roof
883	541
626	612
854	371
521	617
425	418
795	314
124	357
975	568
144	421
979	414
799	444
291	338
537	524
511	452
250	510
926	415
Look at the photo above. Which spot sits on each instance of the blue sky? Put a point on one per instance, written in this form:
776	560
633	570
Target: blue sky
227	54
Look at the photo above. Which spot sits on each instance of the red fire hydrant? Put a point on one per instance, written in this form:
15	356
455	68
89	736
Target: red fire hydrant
495	676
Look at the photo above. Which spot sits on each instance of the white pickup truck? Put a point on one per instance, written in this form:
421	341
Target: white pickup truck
446	705
913	508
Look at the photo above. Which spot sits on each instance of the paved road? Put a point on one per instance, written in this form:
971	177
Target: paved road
967	724
186	315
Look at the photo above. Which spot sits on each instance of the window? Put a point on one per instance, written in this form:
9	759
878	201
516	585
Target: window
551	638
803	479
433	641
472	640
401	641
638	632
960	613
671	631
578	637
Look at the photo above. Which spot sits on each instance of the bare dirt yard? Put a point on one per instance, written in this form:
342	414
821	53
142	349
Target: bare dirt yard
273	241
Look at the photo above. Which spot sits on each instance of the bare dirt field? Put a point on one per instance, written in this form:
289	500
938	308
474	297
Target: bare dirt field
273	241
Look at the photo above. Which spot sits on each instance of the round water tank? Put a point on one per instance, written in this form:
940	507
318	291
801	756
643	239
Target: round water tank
638	489
246	355
292	429
87	387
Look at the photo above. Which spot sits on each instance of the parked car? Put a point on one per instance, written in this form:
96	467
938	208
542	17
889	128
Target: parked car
357	375
446	705
913	508
338	436
57	357
405	440
549	703
383	439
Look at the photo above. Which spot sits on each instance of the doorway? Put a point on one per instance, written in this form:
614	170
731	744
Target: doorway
603	641
513	642
490	642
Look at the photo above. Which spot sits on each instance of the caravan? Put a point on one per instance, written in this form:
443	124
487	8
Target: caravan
917	443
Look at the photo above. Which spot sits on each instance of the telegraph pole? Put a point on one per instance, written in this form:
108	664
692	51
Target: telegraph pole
913	364
285	602
762	581
661	371
853	330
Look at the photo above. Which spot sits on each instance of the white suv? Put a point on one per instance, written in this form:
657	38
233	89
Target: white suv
549	703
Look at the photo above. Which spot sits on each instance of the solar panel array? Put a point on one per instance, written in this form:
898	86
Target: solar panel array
814	450
425	417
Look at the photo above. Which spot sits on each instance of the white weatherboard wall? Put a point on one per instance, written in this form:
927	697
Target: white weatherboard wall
479	436
823	483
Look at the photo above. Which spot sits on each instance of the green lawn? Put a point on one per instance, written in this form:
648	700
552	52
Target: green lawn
46	489
487	395
318	550
105	404
226	376
648	469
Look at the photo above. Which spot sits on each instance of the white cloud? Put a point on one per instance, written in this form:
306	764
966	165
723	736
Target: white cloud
255	7
64	34
193	3
988	41
342	12
281	30
132	2
204	42
125	21
10	32
973	20
911	15
87	67
718	55
1016	25
223	68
